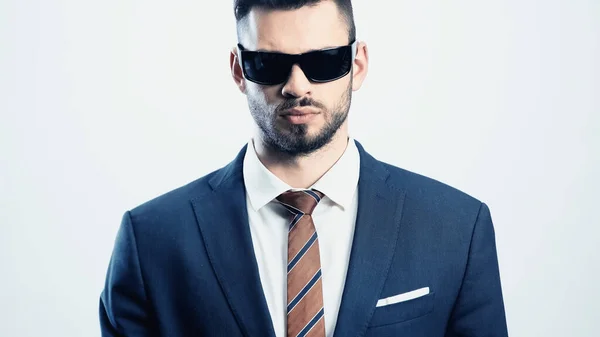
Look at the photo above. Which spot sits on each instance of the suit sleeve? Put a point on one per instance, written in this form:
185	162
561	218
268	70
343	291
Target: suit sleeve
123	302
479	308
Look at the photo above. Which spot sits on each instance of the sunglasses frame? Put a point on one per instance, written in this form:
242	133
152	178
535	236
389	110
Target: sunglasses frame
297	57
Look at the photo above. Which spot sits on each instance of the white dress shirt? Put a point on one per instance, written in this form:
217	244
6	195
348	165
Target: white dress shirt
334	219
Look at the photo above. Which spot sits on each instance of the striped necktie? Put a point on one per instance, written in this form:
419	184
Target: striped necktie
304	283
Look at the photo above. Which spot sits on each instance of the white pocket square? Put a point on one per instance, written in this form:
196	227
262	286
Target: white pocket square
411	295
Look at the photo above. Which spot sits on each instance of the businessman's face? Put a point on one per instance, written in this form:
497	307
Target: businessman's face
295	115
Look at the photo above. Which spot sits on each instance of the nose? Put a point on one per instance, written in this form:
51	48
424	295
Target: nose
297	84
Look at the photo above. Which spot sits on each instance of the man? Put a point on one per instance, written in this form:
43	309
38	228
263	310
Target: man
304	233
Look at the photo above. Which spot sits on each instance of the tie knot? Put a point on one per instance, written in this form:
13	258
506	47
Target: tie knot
300	201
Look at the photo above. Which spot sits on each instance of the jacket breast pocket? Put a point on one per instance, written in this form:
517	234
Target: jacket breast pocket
403	311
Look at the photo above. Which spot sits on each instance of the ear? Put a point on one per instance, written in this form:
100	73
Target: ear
360	66
236	70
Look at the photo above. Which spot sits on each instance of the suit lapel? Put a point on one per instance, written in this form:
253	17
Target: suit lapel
374	243
223	221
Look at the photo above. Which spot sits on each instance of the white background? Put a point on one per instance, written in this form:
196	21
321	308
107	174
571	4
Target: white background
106	104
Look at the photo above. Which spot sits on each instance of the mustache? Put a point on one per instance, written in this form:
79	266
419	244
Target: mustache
295	103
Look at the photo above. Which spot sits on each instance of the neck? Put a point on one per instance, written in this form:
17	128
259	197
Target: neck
302	171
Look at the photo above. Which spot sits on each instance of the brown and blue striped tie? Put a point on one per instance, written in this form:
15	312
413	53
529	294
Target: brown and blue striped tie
304	283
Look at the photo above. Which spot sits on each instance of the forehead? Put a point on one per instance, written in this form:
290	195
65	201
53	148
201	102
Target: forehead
294	31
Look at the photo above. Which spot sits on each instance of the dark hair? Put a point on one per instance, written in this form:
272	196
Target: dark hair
241	9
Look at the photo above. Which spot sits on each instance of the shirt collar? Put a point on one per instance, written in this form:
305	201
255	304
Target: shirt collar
338	183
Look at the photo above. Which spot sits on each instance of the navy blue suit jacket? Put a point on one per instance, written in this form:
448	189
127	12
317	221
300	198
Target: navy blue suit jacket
183	263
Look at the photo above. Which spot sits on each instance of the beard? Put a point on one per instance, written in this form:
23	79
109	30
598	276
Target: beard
294	140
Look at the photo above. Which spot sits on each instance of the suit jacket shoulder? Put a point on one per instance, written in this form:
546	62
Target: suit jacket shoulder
175	202
435	197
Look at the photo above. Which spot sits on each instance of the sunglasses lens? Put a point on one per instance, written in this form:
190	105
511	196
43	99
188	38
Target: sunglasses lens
328	65
265	68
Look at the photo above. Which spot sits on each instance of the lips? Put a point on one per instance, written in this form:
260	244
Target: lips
299	115
299	112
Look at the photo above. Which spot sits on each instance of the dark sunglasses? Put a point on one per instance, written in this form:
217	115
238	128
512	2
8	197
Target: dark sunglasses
320	66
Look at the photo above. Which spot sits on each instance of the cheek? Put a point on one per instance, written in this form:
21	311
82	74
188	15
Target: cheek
332	93
262	95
